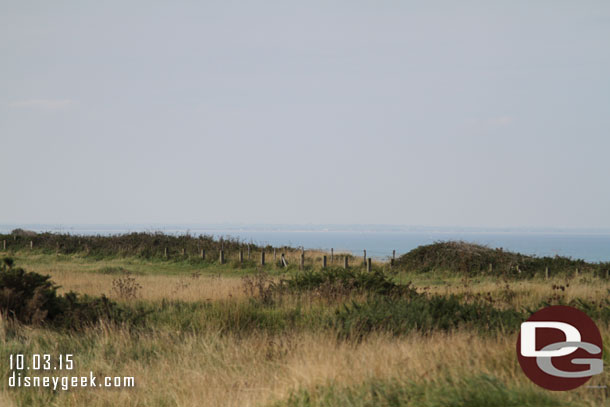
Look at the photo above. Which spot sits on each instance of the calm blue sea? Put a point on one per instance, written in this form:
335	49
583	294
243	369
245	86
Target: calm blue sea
378	241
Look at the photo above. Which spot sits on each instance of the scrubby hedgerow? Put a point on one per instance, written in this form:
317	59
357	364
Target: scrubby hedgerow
144	245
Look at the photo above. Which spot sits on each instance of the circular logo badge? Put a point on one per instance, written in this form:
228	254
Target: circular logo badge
560	348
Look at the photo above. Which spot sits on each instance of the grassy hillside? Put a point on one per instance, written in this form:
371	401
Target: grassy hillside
473	259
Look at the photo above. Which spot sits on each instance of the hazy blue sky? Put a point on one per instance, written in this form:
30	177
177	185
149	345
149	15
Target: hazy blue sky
429	113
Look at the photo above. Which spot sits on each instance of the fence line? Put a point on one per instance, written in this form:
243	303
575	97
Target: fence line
318	257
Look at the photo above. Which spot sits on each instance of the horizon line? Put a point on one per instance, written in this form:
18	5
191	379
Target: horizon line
298	227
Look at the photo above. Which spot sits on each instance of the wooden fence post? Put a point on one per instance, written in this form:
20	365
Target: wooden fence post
202	254
31	244
546	273
491	268
165	252
262	258
324	261
365	257
222	257
332	255
284	260
368	264
183	251
345	262
302	263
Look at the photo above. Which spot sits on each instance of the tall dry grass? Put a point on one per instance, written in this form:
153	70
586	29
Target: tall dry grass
218	370
154	287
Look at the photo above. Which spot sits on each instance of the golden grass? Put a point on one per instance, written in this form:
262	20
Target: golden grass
154	287
6	400
214	370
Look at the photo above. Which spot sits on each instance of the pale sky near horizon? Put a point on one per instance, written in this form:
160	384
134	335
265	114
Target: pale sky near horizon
447	113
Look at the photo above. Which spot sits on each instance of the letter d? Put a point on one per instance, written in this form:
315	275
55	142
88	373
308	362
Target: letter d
528	338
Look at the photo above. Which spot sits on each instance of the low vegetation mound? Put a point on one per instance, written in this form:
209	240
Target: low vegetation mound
469	258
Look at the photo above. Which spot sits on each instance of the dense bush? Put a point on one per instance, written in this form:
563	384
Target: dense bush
32	298
421	313
27	297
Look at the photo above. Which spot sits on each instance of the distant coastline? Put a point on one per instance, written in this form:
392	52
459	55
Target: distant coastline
592	245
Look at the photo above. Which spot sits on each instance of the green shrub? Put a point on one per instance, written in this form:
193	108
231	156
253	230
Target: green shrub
27	297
